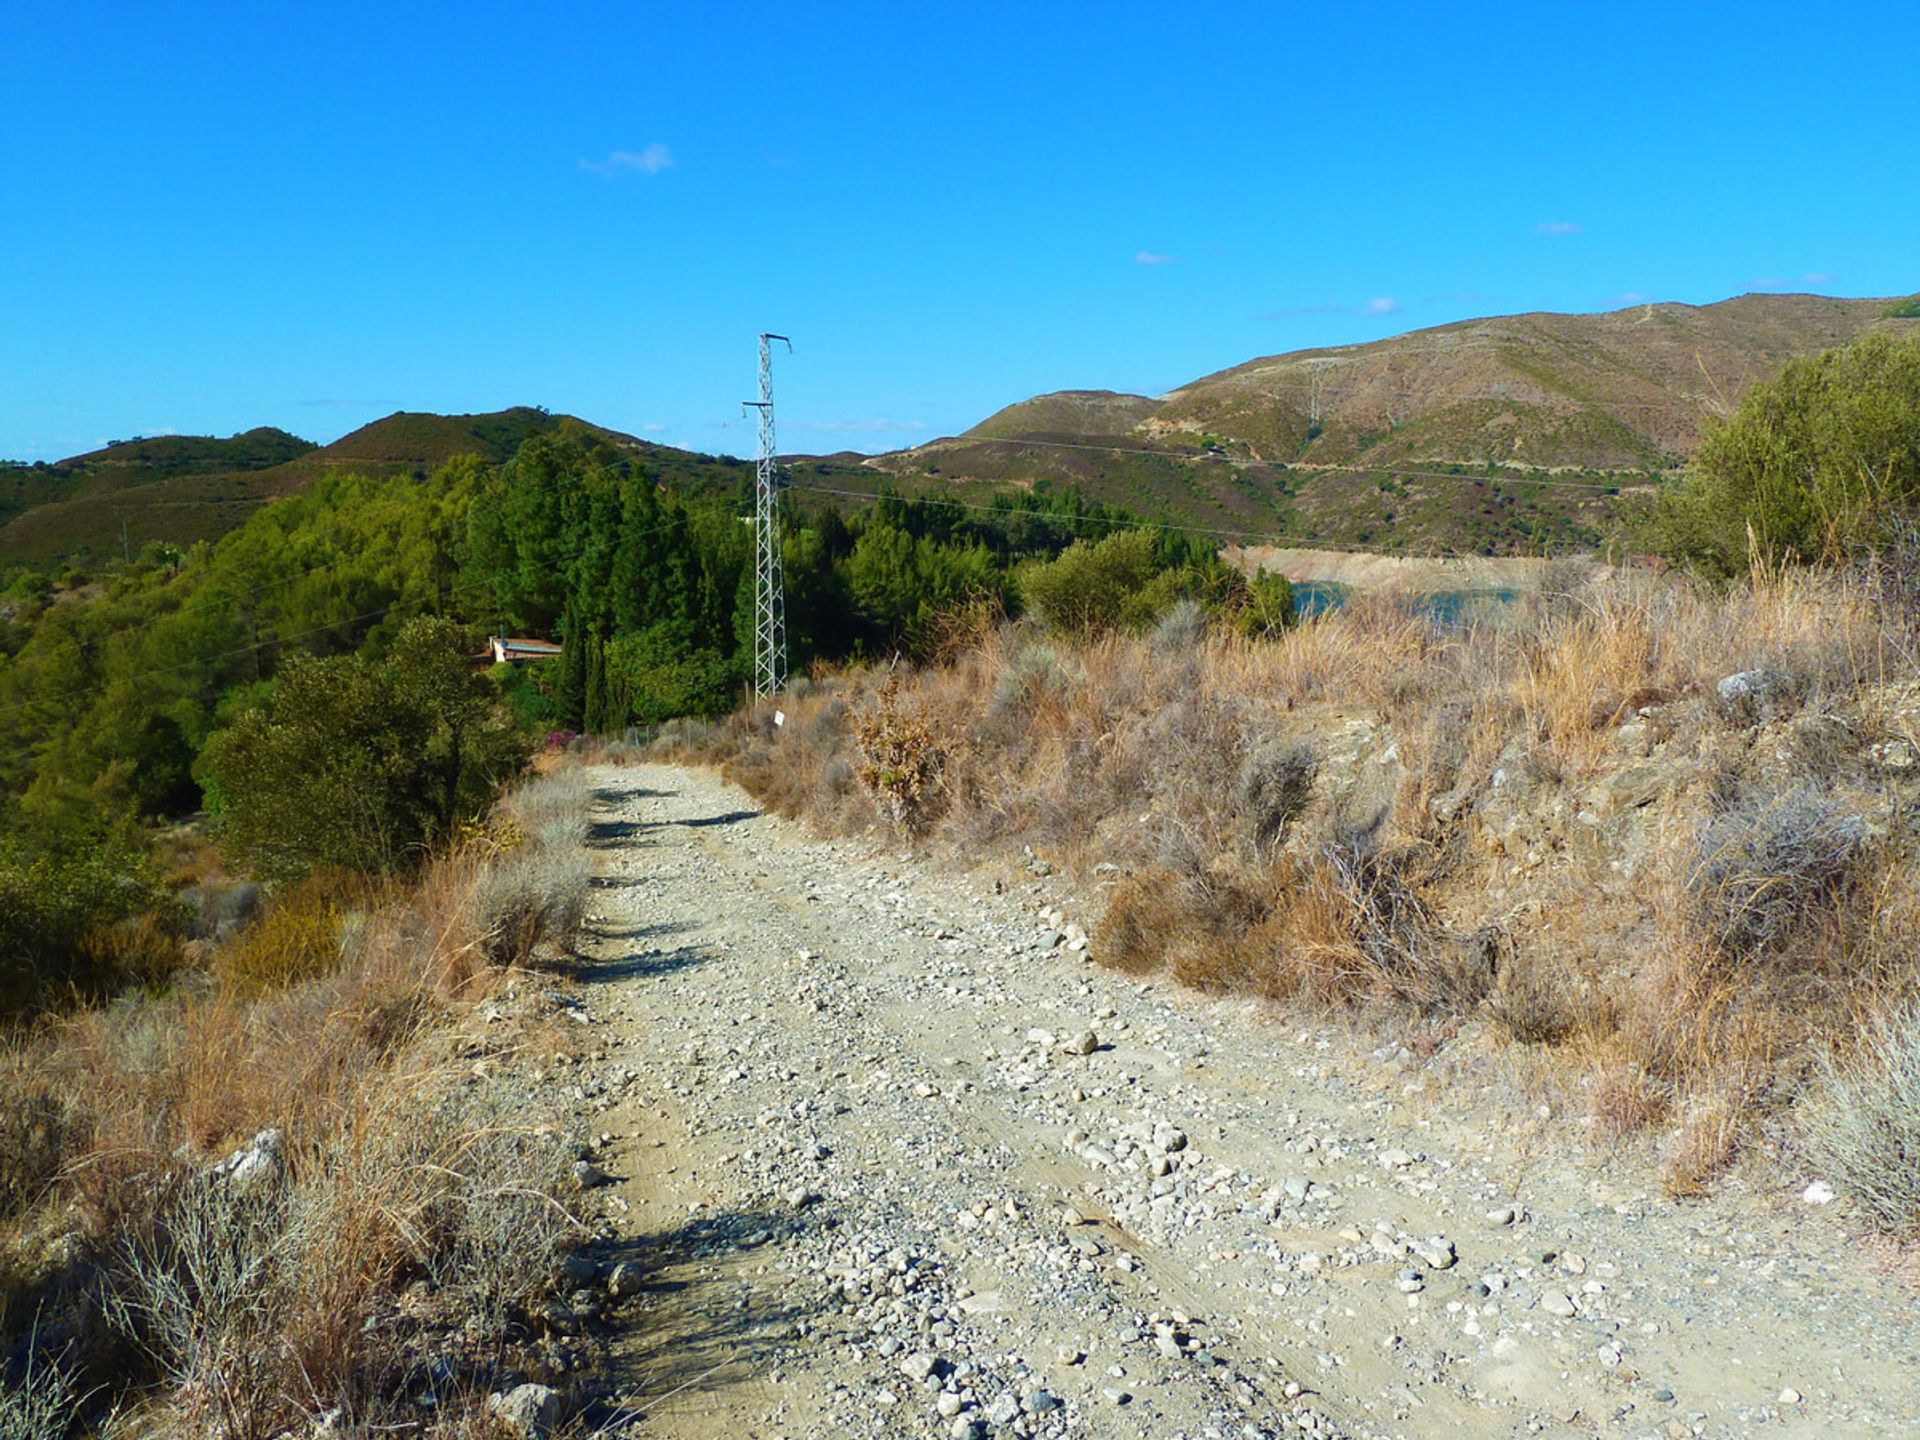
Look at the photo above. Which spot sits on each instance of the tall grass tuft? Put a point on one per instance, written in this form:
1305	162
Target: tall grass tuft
1865	1124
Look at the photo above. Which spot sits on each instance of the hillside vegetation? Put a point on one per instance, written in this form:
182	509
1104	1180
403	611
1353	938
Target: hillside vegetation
182	489
1513	434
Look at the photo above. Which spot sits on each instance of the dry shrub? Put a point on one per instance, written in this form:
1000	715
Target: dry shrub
38	1404
39	1129
299	936
1537	999
552	809
1705	1145
1624	1100
1582	669
1865	1123
1276	781
1766	863
902	763
1195	923
1360	926
261	1305
263	1308
147	949
1032	675
1141	922
529	898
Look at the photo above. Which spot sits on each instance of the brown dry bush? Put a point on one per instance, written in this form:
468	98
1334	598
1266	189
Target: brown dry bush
1624	1100
1538	998
902	762
302	935
1705	1145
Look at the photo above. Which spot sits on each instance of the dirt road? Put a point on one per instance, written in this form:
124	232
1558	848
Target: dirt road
894	1159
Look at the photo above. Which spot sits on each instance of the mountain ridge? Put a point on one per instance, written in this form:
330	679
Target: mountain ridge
1506	434
1341	443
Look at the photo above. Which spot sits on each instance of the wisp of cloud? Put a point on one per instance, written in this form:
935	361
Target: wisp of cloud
650	161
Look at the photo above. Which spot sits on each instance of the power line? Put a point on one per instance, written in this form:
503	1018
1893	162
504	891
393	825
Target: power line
769	583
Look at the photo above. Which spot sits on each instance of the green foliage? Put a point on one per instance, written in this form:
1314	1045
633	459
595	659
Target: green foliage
363	764
59	910
1907	309
1125	581
1093	587
899	583
1265	605
1811	465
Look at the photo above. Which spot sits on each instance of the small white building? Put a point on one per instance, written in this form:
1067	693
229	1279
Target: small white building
518	651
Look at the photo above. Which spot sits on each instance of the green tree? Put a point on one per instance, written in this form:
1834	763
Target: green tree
1096	586
1263	604
362	764
1810	465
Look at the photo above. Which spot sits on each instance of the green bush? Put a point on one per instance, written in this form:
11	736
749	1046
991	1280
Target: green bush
1265	606
1811	466
363	764
1110	584
68	922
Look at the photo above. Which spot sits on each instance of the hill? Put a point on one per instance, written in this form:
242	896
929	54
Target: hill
1512	432
185	488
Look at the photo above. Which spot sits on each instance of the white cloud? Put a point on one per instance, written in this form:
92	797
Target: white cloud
1381	305
1148	257
650	161
1816	277
1556	228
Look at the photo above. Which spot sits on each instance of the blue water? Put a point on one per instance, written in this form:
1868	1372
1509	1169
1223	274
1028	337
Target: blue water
1447	607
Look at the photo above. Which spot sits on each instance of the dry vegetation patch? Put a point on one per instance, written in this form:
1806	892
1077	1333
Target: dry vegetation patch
386	1218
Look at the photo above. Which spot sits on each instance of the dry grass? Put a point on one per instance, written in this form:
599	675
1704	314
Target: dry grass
328	1021
1317	816
1866	1122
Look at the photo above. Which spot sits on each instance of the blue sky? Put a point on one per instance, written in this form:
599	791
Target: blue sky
218	216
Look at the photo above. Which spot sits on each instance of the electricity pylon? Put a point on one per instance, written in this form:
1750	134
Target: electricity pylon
769	590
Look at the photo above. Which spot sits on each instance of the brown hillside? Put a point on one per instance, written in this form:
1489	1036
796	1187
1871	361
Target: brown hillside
1511	434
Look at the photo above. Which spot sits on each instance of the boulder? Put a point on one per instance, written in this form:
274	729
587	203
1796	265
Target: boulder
261	1161
529	1411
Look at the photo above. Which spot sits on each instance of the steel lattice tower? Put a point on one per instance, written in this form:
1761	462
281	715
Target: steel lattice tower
769	591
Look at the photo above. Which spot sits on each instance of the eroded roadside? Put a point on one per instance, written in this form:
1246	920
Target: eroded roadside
890	1159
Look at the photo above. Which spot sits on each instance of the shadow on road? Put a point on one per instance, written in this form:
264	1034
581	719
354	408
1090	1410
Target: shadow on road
613	795
700	1324
612	834
732	817
641	932
647	965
